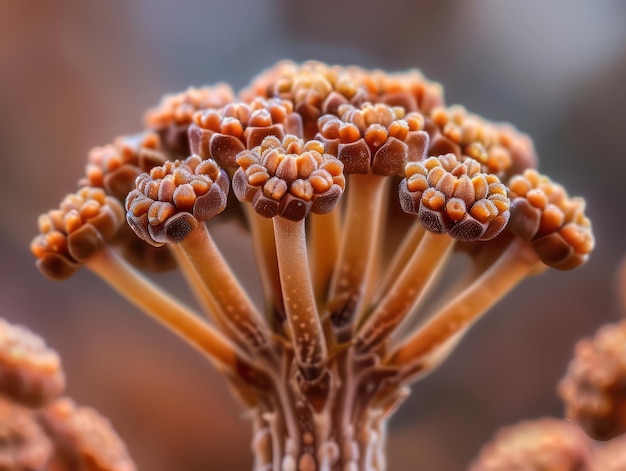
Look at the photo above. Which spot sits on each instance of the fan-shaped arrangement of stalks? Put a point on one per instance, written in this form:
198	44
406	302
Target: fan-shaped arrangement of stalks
329	165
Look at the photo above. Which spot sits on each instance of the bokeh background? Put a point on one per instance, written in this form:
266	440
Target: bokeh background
74	74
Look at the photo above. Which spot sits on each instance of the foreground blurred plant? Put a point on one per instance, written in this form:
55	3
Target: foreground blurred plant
330	356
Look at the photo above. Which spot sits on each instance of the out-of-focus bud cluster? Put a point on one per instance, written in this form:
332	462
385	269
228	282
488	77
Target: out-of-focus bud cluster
38	431
594	388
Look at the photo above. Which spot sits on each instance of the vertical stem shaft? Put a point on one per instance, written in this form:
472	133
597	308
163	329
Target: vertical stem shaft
300	307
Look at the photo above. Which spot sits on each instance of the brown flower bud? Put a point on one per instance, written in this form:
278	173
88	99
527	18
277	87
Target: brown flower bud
172	200
30	372
84	222
171	118
544	444
554	223
593	387
289	178
23	445
374	138
84	439
499	148
455	198
222	134
115	167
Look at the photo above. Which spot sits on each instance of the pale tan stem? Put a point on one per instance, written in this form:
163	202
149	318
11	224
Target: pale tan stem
517	262
205	299
357	255
231	300
406	292
401	258
324	248
267	262
109	266
302	315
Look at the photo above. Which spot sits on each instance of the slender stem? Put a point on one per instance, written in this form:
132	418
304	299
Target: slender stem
267	263
302	315
406	292
401	257
231	300
325	237
359	242
202	294
146	296
517	262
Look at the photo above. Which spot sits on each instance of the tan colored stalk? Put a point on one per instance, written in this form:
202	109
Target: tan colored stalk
359	242
409	244
265	252
230	298
518	261
407	291
169	312
207	302
302	315
324	239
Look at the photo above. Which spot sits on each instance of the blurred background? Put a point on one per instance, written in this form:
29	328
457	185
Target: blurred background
75	74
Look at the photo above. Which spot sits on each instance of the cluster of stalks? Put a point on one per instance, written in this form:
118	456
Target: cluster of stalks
357	187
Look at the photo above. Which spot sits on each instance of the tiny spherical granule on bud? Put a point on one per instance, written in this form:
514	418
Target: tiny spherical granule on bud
30	371
544	444
593	387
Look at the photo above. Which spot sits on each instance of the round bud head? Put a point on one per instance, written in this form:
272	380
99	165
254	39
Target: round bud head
499	148
115	167
377	139
84	222
23	444
171	118
409	90
222	134
455	197
84	439
289	178
173	199
554	223
314	89
30	372
544	444
594	386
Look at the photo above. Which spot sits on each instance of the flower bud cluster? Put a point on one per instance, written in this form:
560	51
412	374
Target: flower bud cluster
375	139
173	199
455	197
554	223
289	178
84	222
